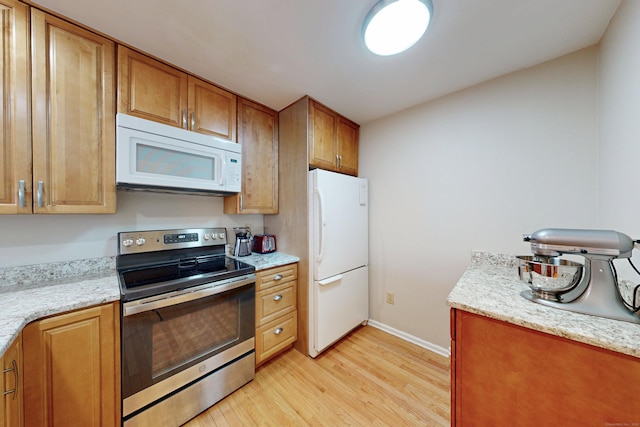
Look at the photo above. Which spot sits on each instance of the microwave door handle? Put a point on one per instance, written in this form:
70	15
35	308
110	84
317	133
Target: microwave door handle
221	166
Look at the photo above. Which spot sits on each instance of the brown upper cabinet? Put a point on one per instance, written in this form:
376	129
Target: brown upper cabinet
73	111
15	148
258	134
333	140
67	163
153	90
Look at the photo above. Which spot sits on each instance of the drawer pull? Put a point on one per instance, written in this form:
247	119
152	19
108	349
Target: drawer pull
278	331
277	277
277	298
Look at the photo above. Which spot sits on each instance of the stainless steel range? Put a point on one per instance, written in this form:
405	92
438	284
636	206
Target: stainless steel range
187	326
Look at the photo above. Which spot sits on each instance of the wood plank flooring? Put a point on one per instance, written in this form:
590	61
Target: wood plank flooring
370	378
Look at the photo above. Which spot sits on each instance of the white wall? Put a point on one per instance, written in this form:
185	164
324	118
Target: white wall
474	171
619	171
35	239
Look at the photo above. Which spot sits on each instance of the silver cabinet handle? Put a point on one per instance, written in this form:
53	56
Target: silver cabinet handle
193	121
277	277
278	331
277	298
21	193
340	162
40	193
241	208
184	119
14	368
337	161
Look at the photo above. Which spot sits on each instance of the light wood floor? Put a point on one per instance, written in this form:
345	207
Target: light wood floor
370	378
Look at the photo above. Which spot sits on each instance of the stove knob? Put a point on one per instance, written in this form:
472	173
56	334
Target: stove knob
207	236
221	235
127	242
140	241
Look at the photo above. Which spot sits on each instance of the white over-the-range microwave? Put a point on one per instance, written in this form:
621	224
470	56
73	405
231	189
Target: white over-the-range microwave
156	157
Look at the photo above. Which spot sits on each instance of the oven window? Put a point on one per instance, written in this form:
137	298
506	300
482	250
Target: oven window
197	329
159	343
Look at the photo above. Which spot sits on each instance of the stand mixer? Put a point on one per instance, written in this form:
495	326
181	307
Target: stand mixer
589	289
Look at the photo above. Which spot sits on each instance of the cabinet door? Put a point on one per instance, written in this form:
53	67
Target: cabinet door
322	136
72	370
15	148
151	89
276	336
505	374
73	118
258	134
12	385
212	110
347	135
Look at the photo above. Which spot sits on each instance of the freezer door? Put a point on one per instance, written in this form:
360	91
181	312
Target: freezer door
340	303
339	224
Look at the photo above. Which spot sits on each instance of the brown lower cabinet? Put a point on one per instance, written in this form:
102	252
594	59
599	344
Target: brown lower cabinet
72	368
11	402
276	311
506	375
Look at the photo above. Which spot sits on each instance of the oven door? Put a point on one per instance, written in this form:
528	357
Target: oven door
171	340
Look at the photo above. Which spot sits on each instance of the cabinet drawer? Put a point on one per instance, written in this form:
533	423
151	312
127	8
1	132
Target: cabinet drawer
276	336
275	302
276	276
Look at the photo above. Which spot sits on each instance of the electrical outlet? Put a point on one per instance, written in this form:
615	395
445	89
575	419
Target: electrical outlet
389	297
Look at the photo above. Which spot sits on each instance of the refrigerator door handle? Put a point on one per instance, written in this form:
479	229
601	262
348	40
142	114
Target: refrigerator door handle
330	280
321	226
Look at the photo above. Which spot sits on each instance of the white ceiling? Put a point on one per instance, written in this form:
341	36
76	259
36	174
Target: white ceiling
275	51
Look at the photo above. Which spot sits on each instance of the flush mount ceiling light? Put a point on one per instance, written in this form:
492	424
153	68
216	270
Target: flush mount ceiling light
393	26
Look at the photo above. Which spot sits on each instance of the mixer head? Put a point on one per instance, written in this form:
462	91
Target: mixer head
557	241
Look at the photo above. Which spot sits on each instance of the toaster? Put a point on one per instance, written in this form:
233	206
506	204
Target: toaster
264	243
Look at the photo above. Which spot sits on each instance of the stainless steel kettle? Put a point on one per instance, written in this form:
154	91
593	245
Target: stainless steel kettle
243	241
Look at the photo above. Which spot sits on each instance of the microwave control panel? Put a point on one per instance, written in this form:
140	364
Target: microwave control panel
234	172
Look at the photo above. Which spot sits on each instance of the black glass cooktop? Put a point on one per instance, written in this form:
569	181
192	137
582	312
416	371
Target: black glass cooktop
155	278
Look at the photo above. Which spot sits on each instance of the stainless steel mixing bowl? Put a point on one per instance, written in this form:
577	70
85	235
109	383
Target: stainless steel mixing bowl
549	274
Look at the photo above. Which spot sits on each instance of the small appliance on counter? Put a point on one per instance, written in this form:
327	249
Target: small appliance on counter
264	243
591	288
243	241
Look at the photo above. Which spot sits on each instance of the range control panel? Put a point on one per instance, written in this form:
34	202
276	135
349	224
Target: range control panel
132	242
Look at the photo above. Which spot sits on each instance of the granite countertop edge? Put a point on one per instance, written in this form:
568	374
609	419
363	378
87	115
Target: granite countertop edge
490	287
265	261
32	292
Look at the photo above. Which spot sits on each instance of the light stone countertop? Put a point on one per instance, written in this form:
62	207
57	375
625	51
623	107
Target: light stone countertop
491	287
21	305
264	261
31	292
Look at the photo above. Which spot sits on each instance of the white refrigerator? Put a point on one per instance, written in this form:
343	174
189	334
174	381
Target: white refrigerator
338	257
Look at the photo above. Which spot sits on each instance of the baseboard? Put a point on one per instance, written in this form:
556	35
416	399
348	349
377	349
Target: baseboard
412	339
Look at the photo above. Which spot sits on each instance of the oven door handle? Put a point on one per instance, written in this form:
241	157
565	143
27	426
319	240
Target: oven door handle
185	295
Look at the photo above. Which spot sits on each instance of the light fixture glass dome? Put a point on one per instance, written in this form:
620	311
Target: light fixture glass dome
393	26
